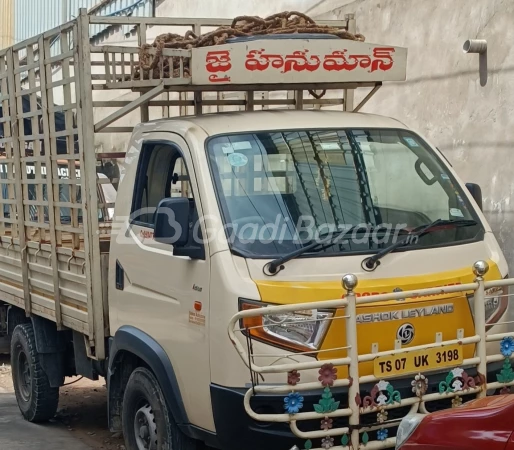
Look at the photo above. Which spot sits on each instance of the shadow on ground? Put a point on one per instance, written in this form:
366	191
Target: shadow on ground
18	434
80	422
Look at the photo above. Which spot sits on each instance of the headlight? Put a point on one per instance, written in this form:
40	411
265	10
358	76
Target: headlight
299	330
496	303
407	426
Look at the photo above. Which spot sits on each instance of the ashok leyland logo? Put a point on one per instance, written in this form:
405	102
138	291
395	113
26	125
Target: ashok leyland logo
405	333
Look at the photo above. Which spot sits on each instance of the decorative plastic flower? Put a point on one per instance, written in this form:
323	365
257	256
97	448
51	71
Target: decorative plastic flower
382	385
456	401
419	385
457	372
382	434
457	385
327	442
293	377
327	374
507	346
381	400
382	416
293	403
326	423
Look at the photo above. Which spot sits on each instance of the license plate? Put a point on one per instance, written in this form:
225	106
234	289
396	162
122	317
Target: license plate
418	361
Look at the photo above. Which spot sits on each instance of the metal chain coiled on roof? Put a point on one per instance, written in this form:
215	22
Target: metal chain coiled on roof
287	22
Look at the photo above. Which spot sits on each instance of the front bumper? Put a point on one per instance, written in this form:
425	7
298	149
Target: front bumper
236	430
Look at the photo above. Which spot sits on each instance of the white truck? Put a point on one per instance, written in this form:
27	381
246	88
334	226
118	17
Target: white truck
220	213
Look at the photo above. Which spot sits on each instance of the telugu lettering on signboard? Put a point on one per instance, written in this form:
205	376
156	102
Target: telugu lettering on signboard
296	61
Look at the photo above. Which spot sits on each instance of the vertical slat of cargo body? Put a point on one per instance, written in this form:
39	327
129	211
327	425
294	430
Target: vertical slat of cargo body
197	28
70	143
349	94
81	117
108	78
53	140
198	96
298	99
141	40
250	100
82	58
17	185
20	122
9	129
44	52
34	122
182	96
6	128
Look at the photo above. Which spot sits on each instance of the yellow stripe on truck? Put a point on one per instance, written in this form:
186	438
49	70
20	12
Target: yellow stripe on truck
379	323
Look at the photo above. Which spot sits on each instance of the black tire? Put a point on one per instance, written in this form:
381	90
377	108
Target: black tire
144	402
37	400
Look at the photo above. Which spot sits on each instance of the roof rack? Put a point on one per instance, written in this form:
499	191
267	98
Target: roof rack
293	71
306	67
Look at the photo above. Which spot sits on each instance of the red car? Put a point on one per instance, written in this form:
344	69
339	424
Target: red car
486	423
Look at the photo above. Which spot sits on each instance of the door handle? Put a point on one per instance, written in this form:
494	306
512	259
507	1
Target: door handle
120	276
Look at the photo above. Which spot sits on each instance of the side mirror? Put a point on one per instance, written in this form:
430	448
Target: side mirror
171	226
171	222
476	193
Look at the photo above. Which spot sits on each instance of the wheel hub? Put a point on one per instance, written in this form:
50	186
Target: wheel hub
145	429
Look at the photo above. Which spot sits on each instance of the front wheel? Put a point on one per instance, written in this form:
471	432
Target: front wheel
37	400
147	423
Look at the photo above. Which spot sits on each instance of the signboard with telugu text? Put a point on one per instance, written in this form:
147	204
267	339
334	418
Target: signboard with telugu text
298	61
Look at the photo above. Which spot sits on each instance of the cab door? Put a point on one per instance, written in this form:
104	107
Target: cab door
165	295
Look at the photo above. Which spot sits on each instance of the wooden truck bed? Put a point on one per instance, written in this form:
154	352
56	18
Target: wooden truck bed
73	299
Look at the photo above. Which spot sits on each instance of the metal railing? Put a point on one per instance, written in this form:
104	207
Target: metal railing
464	380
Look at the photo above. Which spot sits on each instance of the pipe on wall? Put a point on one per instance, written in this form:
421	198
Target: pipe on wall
475	46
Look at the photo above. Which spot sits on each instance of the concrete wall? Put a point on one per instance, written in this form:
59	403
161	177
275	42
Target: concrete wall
469	117
231	8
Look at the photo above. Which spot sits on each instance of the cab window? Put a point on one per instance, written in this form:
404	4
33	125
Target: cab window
162	173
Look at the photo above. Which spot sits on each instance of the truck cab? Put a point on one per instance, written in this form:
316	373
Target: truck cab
230	193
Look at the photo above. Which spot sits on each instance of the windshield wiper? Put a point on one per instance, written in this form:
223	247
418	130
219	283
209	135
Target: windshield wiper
371	263
275	266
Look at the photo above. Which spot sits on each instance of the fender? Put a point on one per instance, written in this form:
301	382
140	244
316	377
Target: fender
135	341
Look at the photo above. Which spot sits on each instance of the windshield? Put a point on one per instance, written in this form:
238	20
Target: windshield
280	190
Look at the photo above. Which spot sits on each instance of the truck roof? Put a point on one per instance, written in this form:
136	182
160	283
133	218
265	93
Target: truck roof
237	122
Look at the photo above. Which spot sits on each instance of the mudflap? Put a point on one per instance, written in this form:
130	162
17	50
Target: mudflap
4	345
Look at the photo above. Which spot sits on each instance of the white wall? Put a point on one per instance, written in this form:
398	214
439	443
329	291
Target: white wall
230	8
